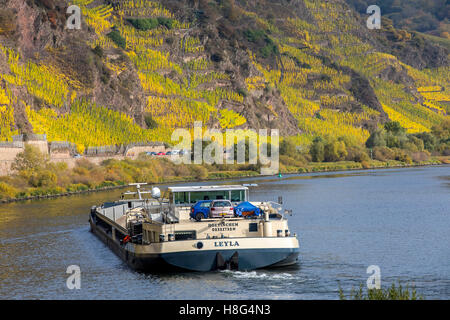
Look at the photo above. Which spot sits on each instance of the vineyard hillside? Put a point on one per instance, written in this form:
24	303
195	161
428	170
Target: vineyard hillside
136	70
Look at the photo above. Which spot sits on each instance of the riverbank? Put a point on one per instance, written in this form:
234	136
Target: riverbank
35	176
42	193
372	164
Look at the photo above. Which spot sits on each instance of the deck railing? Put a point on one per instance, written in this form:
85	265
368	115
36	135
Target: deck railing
115	212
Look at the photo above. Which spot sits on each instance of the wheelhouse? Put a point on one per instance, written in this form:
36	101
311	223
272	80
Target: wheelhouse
186	196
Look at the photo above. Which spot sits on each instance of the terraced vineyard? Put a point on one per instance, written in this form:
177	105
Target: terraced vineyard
6	117
89	125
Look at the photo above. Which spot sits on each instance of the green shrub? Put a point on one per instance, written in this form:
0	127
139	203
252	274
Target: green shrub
144	24
376	139
392	293
98	51
7	191
117	38
402	155
442	131
255	35
106	184
429	140
21	195
269	50
414	144
328	150
35	192
259	36
30	159
77	187
335	150
166	22
199	172
394	127
44	178
383	154
150	122
395	140
289	161
317	150
357	154
151	23
54	191
288	148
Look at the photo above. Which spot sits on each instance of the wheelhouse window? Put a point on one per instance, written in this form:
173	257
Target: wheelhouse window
209	195
238	195
181	197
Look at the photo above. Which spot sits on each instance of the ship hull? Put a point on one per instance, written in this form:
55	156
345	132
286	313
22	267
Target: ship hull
204	254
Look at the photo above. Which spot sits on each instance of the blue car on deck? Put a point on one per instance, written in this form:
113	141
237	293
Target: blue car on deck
246	209
200	210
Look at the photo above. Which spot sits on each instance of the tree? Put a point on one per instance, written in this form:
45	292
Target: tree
288	148
248	146
150	122
395	140
30	159
376	139
34	166
317	150
429	140
394	127
414	144
442	131
335	150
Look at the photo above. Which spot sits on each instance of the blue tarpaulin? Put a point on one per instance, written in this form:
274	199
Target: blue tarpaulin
246	209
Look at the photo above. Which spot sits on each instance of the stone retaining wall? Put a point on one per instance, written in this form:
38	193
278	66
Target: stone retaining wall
8	154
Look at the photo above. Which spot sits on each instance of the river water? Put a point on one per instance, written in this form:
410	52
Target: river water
397	219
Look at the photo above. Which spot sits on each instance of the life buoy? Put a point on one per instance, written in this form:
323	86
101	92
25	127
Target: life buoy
126	239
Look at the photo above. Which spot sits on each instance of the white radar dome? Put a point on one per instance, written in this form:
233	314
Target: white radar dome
156	193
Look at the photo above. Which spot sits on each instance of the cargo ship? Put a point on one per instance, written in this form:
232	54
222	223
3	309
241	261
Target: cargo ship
155	232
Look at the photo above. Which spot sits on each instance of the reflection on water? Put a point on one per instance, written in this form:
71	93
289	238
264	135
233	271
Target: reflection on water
397	219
